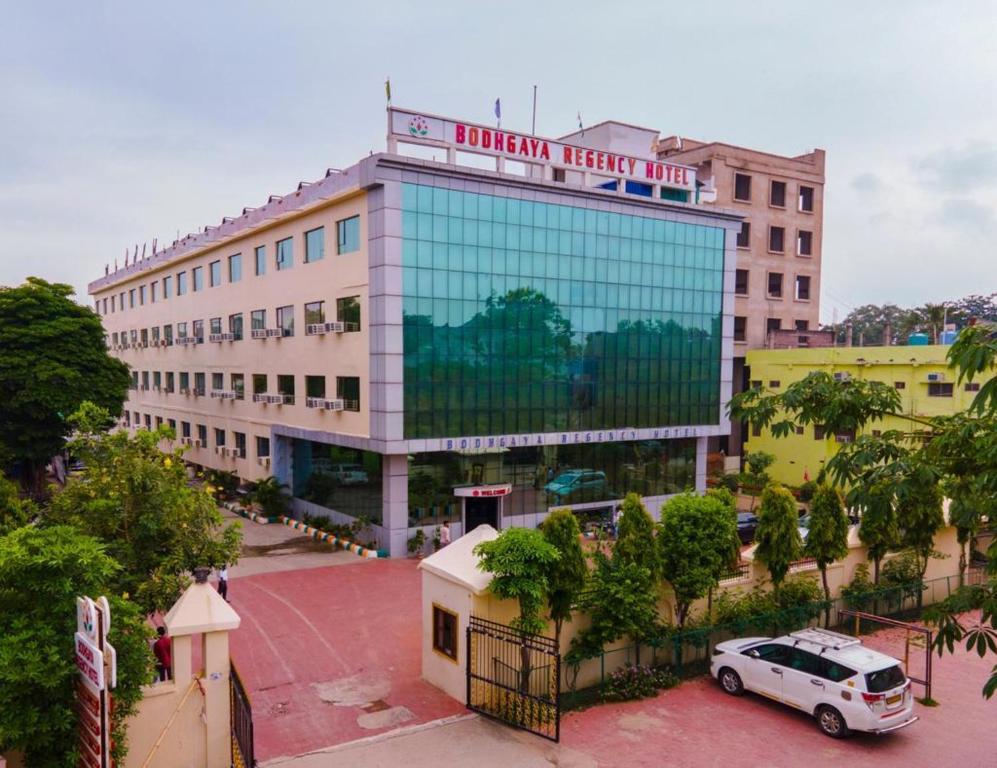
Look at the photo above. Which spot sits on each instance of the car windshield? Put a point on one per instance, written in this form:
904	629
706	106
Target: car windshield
745	517
885	679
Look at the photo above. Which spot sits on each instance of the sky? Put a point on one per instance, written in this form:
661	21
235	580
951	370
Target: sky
121	122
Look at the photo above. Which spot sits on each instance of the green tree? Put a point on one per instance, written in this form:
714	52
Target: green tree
14	511
520	560
635	538
827	537
566	576
778	536
697	543
878	529
42	571
919	512
136	500
756	477
269	494
53	356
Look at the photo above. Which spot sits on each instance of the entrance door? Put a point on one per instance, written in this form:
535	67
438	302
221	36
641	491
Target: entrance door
479	512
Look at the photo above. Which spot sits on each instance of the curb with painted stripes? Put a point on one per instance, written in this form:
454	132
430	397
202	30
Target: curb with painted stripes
256	517
331	538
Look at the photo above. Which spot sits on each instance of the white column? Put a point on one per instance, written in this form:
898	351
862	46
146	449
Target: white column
395	504
701	464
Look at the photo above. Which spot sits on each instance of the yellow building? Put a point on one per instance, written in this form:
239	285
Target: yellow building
926	384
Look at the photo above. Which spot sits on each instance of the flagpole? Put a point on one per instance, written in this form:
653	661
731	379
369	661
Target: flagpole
533	130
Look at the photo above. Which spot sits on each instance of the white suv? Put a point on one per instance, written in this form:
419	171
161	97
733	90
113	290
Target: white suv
833	677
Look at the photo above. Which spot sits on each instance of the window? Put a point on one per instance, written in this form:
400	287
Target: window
145	380
148	421
240	444
235	268
348	235
756	430
819	432
740	328
774	384
121	300
219	437
172	423
800	430
259	383
285	320
262	447
167	286
285	253
445	632
348	390
744	236
215	326
128	418
804	242
802	325
145	337
261	260
202	435
939	389
141	295
845	436
741	282
314	312
199	383
184	429
198	330
773	324
802	288
777	239
113	302
168	335
742	187
215	273
835	672
152	291
258	320
314	245
755	384
157	380
235	326
806	199
159	422
315	386
973	386
877	433
804	661
285	386
155	335
218	381
774	653
777	194
775	284
131	298
239	385
197	278
181	283
900	385
348	312
170	381
184	380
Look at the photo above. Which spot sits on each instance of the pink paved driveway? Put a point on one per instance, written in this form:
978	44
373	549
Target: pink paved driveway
325	624
697	725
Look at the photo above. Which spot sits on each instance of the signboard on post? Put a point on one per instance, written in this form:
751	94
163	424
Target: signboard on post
97	662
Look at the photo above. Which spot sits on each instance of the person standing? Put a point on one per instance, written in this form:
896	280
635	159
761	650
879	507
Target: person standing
444	534
162	649
617	516
223	582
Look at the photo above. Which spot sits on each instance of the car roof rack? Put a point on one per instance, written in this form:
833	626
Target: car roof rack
825	638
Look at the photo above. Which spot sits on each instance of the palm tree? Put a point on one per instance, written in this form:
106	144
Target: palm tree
269	494
933	315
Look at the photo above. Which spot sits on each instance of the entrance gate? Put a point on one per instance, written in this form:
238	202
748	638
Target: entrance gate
514	677
242	723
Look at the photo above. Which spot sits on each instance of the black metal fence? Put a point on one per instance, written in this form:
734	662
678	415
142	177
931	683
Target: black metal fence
514	677
242	723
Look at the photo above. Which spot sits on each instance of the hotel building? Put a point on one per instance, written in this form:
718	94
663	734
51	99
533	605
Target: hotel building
411	340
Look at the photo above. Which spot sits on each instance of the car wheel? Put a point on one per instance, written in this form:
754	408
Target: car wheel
831	722
730	681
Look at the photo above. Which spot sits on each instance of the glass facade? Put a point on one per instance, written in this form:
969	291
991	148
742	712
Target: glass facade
551	476
342	479
522	316
348	235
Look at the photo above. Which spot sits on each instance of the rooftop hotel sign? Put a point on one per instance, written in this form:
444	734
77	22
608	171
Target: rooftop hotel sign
420	128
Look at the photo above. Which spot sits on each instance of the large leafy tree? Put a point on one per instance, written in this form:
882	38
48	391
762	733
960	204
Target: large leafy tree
878	529
778	539
566	576
697	543
827	536
136	500
53	356
635	538
42	571
14	511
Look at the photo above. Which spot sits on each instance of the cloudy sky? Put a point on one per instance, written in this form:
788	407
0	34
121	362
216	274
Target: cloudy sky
120	122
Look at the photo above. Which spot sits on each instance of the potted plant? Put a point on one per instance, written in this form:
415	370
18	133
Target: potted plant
436	540
416	542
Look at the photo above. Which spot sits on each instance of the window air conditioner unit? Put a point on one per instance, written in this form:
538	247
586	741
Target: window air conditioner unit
263	461
275	333
842	376
259	333
198	392
334	405
197	443
184	390
216	393
314	329
936	377
187	340
227	395
282	399
335	327
187	441
215	337
260	397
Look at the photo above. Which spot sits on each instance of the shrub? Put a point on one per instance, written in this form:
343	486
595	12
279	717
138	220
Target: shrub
858	592
807	490
416	541
638	682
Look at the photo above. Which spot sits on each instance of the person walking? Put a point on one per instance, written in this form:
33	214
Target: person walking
223	582
162	649
617	516
444	534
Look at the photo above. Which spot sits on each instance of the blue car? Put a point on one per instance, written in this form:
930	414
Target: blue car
574	486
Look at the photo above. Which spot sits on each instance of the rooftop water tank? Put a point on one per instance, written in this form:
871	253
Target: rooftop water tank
918	340
948	337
